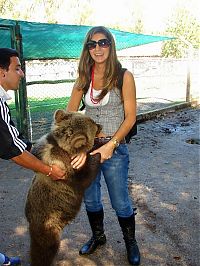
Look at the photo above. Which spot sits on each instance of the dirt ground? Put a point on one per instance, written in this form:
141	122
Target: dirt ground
164	184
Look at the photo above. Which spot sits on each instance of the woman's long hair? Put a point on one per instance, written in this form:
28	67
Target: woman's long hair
86	63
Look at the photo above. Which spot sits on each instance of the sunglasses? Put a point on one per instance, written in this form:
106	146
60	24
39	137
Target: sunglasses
103	43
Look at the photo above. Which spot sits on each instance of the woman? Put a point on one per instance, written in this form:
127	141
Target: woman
98	76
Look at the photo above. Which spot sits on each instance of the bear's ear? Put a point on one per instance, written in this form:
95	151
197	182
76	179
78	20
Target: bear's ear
58	115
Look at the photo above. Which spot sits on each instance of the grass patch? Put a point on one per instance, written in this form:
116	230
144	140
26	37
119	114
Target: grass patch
44	105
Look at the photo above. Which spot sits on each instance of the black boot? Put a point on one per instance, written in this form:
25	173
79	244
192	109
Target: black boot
128	229
98	237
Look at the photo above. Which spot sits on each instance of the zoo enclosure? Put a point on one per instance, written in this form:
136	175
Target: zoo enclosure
50	61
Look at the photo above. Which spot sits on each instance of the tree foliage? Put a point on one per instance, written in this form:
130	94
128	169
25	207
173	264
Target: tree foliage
185	27
7	6
50	11
81	12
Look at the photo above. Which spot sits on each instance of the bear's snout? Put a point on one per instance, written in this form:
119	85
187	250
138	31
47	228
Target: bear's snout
79	141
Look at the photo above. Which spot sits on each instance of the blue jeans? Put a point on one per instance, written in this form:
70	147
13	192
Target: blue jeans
115	172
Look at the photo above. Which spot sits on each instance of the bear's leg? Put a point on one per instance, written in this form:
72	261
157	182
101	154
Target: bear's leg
45	241
89	171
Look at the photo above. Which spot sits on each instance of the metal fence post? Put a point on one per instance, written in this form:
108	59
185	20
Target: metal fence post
189	58
188	94
22	92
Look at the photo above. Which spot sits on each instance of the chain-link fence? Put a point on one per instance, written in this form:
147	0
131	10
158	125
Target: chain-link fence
160	82
163	81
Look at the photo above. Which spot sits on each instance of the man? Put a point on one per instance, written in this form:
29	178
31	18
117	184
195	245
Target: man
12	145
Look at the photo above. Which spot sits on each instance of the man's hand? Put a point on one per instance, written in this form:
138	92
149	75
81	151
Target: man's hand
56	173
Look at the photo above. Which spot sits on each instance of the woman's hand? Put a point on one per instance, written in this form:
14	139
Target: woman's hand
106	151
78	160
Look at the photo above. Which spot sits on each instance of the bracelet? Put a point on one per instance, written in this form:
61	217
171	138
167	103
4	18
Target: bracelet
50	172
115	141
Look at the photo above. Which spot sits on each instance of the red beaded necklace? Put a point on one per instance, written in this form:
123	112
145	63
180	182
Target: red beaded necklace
93	100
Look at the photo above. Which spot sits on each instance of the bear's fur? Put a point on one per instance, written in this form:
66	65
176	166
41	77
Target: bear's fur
51	205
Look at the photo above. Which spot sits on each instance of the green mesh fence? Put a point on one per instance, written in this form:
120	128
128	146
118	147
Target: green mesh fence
45	41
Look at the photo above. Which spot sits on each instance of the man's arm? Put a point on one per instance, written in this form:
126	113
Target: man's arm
29	161
13	147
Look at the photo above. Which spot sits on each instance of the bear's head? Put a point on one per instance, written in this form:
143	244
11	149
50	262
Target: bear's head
74	131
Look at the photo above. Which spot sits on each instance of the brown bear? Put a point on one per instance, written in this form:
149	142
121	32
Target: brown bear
51	205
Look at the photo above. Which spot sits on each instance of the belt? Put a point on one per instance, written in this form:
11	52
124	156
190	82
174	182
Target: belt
98	142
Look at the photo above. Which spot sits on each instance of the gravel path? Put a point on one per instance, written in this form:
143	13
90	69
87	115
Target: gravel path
164	182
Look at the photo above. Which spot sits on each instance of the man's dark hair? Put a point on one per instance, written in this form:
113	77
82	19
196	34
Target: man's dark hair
5	55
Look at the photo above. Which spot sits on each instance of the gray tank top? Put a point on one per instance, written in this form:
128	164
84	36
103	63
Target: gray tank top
110	116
